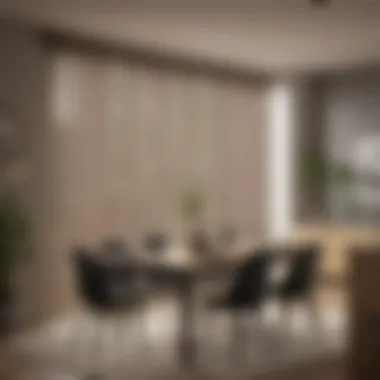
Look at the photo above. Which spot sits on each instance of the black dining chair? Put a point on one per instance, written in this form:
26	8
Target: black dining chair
202	245
227	236
156	242
249	284
109	290
115	247
299	284
247	292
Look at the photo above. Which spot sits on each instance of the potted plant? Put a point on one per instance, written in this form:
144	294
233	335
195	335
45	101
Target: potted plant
192	208
14	249
317	173
341	174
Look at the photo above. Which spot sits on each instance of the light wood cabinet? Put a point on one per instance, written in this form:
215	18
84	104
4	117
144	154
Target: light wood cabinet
336	241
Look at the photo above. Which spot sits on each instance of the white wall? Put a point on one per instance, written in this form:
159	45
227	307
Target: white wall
289	103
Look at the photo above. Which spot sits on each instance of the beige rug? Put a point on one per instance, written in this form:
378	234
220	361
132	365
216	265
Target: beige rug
144	346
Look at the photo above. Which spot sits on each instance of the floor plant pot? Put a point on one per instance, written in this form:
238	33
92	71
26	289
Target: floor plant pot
5	307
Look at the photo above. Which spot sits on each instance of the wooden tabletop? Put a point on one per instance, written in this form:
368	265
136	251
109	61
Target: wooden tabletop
182	260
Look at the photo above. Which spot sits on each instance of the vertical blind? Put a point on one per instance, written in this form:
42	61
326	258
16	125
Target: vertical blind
129	141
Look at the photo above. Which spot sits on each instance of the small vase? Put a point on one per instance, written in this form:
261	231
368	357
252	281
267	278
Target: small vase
200	243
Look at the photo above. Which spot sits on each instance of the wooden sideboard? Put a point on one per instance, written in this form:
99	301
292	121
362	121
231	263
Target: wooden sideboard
364	342
337	241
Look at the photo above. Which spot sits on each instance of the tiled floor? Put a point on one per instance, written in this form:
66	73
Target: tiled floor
142	346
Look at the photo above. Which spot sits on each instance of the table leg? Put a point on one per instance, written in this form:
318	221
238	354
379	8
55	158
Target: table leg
187	341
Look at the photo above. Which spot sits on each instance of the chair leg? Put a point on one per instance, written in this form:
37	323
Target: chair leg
287	313
239	339
139	335
120	335
79	343
145	337
314	311
75	343
97	349
210	328
124	336
117	336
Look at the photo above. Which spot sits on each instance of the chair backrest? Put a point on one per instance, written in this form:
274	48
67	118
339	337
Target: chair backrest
227	235
104	286
156	242
250	284
88	273
201	244
303	269
115	247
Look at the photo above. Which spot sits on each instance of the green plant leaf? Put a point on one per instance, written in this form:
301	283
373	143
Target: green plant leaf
15	236
192	205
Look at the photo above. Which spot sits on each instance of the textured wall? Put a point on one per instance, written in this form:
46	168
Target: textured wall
114	149
23	69
130	139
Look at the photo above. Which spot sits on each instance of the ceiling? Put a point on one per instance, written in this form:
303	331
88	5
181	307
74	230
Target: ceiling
271	35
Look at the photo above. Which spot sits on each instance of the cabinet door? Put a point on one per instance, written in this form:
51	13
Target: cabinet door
365	314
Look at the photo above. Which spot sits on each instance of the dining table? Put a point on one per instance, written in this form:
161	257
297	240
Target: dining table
186	270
